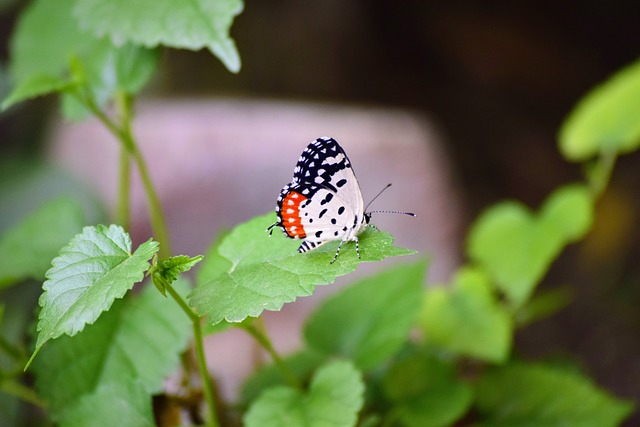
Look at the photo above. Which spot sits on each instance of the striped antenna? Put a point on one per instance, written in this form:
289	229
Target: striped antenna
393	212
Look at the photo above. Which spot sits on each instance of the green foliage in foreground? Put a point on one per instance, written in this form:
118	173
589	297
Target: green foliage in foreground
129	349
249	271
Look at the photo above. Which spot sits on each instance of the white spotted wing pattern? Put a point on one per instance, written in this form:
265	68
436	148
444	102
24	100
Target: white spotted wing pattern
323	202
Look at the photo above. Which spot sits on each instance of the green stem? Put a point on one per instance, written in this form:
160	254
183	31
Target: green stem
200	356
158	222
600	175
124	185
11	350
123	211
265	342
22	392
193	316
125	136
130	149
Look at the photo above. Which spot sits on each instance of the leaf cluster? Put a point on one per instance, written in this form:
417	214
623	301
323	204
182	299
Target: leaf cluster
95	49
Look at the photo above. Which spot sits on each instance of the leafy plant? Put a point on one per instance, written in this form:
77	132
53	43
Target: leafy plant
384	351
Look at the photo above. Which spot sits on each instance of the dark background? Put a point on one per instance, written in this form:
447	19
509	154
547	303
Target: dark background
498	78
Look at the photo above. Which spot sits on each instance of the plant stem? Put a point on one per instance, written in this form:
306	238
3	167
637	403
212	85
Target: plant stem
125	136
123	213
200	356
155	209
22	392
265	342
124	184
11	350
600	175
158	222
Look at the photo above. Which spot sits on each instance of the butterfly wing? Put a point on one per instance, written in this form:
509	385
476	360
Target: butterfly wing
325	163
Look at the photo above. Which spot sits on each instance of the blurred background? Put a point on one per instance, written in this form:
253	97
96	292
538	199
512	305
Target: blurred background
494	78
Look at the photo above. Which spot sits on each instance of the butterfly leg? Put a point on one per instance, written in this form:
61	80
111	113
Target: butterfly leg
270	228
335	257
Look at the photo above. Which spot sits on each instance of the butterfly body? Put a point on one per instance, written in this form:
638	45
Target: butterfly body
323	202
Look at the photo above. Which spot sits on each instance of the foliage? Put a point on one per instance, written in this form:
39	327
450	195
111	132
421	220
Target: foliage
94	269
334	398
383	351
369	321
605	121
130	348
248	279
424	390
27	249
544	395
467	319
517	247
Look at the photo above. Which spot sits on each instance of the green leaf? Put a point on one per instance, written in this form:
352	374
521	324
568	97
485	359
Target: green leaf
89	274
528	395
106	70
569	212
466	318
213	265
166	271
26	185
301	364
27	249
186	25
606	119
124	404
517	246
370	320
47	38
134	66
257	272
334	399
140	337
425	392
543	305
33	87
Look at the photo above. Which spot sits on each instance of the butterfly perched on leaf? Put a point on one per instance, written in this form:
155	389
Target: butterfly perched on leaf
323	201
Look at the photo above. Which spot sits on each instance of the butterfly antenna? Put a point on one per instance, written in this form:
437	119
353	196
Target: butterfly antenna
393	212
376	196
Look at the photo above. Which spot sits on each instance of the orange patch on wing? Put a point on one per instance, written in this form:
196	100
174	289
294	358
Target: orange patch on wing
290	212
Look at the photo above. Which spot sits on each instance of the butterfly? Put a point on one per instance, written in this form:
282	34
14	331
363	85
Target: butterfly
323	202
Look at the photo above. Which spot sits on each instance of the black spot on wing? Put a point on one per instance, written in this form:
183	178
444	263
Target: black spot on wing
326	199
